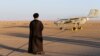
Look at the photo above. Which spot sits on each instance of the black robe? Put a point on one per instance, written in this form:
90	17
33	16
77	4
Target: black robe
35	37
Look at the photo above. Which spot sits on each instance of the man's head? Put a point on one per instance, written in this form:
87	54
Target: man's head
35	15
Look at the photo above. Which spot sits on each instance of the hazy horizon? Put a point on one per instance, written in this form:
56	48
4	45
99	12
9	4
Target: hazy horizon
48	9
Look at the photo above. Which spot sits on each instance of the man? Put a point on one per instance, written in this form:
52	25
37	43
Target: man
35	37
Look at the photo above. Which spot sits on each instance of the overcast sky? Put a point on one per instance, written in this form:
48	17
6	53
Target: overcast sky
48	9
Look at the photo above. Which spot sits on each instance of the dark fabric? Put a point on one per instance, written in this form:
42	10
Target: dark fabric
35	37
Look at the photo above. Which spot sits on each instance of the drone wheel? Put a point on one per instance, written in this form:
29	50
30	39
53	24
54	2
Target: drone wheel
74	29
80	28
60	28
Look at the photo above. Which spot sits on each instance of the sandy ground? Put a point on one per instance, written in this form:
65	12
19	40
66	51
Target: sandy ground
85	42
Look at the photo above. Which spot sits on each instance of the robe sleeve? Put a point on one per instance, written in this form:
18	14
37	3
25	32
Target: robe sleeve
42	26
30	29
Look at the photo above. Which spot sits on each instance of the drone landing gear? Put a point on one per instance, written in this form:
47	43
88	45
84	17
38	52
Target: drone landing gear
60	28
74	29
79	28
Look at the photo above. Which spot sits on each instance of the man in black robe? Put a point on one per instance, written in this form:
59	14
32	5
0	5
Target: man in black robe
35	37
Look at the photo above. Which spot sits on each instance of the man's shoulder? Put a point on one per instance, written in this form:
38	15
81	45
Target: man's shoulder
33	21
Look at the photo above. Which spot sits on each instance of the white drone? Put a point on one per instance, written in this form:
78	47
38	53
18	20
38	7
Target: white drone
77	21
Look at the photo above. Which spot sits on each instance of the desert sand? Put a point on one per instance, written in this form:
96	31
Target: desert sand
86	42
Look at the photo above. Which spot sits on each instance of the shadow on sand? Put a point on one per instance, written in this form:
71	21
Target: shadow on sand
13	49
96	38
20	35
74	41
17	26
1	55
62	40
53	39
